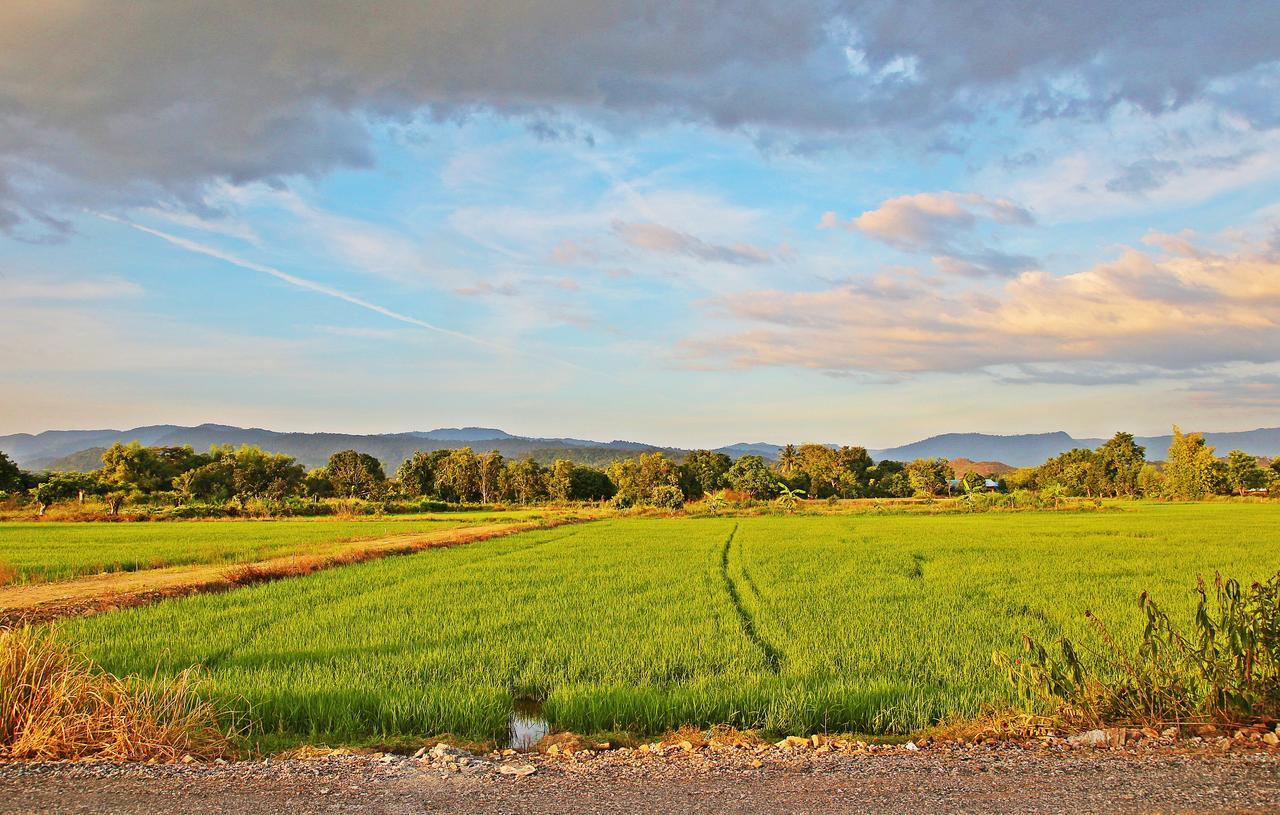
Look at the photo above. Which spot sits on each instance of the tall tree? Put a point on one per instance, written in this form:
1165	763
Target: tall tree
489	473
417	474
703	472
11	476
751	475
525	480
1243	472
1189	470
458	476
1122	459
355	474
929	476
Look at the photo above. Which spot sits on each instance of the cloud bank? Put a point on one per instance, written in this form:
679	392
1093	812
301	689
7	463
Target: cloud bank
1141	309
108	105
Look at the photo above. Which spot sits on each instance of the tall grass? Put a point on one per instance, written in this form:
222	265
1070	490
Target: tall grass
54	704
865	623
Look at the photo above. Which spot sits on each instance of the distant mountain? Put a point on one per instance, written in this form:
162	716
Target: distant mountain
463	434
1030	449
1020	451
79	449
759	448
1265	441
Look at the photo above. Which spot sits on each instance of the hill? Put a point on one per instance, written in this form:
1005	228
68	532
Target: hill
79	449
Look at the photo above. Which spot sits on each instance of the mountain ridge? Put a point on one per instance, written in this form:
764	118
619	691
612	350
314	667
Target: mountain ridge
42	450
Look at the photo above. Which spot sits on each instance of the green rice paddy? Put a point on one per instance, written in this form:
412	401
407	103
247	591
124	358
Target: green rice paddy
52	550
882	624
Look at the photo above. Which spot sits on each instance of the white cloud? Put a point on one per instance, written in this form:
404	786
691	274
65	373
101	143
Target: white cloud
1185	308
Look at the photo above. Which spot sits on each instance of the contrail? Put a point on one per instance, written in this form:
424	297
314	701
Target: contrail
328	291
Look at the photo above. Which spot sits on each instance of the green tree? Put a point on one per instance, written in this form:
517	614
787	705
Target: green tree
134	467
12	479
259	474
355	475
458	476
703	472
636	478
1243	472
489	474
1122	460
524	480
888	479
752	476
61	487
560	480
417	474
1189	469
590	484
317	484
929	476
1150	482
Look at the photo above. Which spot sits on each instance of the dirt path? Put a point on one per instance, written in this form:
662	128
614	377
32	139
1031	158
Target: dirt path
972	781
96	593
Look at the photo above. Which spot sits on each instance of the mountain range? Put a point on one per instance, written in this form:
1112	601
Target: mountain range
80	449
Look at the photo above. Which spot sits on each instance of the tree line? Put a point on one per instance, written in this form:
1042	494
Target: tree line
239	476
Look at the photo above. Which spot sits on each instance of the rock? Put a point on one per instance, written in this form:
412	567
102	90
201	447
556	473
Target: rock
1093	738
911	746
1169	732
1271	739
794	741
422	753
443	750
517	770
687	746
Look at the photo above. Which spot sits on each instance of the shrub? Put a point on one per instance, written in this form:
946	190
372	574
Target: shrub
1224	668
667	496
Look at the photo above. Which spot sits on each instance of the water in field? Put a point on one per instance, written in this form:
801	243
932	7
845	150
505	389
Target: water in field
526	727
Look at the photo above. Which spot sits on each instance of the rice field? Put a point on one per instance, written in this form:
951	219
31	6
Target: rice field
50	550
874	624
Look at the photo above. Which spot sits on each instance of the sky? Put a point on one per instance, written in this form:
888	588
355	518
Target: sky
683	223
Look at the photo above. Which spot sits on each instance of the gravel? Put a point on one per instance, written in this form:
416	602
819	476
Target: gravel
1041	777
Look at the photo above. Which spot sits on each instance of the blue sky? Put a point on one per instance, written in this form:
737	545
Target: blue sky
846	228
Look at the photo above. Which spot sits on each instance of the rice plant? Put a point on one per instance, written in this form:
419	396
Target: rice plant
881	624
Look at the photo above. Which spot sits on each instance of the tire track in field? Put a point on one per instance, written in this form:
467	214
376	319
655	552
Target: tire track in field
772	656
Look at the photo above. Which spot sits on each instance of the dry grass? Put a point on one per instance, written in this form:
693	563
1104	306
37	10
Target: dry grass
55	704
8	574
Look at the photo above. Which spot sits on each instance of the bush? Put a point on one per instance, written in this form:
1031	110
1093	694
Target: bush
1224	668
667	497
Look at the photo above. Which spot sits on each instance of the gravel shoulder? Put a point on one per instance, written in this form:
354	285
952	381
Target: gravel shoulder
970	780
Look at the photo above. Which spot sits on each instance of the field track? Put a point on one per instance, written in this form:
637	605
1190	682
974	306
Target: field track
97	593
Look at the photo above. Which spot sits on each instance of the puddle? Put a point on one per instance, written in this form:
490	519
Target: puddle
526	727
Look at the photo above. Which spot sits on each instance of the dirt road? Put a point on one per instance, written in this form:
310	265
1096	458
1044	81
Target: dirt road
971	781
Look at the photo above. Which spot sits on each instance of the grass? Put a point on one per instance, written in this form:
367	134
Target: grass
874	624
54	704
49	550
